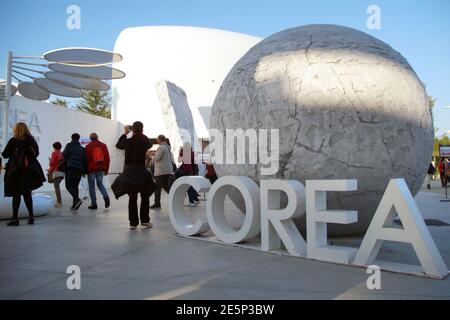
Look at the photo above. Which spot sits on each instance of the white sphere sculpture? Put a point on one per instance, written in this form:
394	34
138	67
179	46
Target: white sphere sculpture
347	105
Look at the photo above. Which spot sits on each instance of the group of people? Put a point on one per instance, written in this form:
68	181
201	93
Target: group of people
145	171
443	167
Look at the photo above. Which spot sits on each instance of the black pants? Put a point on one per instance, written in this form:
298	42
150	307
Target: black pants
28	202
73	178
133	209
162	182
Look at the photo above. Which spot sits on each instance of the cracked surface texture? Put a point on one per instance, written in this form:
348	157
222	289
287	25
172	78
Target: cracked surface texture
176	114
347	105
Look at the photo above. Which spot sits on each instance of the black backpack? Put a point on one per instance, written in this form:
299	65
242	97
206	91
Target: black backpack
22	158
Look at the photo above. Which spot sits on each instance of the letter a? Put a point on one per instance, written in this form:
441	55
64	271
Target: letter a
414	231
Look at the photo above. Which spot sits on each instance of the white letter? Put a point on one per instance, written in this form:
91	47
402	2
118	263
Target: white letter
74	281
216	213
414	231
276	223
317	218
34	122
74	20
177	215
374	20
374	281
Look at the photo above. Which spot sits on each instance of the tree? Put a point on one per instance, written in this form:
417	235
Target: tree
61	102
95	102
431	102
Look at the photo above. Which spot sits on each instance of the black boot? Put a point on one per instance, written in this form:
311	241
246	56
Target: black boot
107	202
31	221
13	223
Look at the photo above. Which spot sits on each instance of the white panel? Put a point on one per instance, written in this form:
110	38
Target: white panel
196	59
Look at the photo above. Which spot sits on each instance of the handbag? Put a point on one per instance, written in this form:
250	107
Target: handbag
50	177
116	187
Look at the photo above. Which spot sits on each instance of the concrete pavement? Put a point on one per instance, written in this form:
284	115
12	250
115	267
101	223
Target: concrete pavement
117	263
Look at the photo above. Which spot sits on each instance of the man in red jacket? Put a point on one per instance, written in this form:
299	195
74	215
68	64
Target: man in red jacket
98	166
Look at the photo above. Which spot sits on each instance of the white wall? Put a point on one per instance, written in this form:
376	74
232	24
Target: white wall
195	59
50	123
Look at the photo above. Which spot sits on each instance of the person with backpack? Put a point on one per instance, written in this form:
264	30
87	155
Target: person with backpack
76	166
135	179
164	170
23	171
98	166
56	171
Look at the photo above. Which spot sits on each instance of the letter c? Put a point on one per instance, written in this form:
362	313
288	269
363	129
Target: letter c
177	215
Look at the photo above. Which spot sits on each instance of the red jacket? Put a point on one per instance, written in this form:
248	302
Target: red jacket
94	166
56	157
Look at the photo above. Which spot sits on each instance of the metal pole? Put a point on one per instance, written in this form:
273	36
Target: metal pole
7	100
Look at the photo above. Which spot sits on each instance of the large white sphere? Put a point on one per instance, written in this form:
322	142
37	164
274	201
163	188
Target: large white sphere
347	105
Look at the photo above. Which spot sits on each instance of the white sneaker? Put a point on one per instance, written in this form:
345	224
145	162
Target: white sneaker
58	205
190	204
133	228
197	203
147	225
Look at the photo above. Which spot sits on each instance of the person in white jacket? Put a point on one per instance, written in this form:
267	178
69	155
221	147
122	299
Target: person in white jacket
164	174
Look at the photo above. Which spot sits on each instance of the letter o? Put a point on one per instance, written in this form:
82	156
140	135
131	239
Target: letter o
177	215
215	210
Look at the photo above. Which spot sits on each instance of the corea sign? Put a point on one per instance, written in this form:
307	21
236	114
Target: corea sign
264	216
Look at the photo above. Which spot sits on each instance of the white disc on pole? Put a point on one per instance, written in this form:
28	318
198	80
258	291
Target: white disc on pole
2	91
79	83
32	91
57	89
82	56
86	72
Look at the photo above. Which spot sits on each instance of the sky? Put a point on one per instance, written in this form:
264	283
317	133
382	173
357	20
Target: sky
418	29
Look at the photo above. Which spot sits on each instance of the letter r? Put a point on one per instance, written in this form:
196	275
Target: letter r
276	223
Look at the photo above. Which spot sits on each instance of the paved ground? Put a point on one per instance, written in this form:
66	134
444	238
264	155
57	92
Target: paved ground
156	264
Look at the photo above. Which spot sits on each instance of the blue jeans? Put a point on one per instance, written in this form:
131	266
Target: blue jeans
92	178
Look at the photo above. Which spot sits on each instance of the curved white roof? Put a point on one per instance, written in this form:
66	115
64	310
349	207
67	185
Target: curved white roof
195	59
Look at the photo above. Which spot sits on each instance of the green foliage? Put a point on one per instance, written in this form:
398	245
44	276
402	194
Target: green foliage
432	102
95	102
442	141
61	102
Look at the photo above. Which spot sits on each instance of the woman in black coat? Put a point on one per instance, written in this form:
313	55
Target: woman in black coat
23	172
135	177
